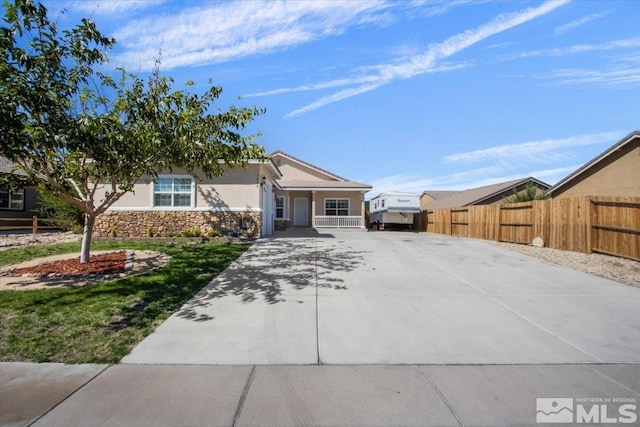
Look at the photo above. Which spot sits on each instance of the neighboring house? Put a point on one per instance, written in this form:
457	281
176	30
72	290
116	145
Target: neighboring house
16	203
432	195
487	195
615	172
276	194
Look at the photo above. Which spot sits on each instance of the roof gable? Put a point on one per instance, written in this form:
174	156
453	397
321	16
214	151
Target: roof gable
301	170
565	183
300	175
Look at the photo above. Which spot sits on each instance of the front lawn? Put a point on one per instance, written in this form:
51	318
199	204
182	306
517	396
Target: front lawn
102	323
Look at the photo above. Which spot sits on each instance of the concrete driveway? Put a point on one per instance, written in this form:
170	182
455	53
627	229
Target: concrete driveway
397	298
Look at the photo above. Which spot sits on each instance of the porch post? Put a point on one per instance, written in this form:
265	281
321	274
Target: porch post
364	222
313	209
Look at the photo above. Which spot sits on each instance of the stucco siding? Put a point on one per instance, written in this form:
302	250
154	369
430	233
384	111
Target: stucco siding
424	200
618	175
238	188
355	201
293	171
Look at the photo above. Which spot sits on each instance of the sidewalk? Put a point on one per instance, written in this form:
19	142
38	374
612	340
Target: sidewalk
363	395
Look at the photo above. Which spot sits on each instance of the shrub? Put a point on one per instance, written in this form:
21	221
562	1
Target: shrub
58	213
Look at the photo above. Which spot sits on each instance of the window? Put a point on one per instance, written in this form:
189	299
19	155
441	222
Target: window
12	199
336	207
280	207
173	192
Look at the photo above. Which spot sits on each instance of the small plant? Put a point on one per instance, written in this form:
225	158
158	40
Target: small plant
529	193
214	233
192	233
113	232
150	231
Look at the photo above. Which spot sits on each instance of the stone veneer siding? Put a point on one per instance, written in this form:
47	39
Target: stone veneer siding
160	223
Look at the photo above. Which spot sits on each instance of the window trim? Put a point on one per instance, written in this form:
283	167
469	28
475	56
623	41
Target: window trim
10	201
324	205
192	192
285	212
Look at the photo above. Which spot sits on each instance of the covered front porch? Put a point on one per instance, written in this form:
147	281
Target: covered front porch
320	209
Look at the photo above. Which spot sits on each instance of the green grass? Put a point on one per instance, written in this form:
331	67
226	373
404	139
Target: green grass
101	323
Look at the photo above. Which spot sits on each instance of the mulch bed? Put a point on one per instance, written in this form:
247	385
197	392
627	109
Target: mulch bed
109	263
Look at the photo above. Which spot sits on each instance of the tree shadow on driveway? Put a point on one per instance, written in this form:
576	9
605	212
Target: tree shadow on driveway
274	269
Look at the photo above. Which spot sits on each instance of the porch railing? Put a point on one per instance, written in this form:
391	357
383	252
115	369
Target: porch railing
338	222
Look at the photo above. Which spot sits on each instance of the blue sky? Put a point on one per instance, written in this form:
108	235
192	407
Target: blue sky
406	96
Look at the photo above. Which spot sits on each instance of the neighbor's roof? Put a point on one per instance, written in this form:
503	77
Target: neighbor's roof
477	195
596	160
438	194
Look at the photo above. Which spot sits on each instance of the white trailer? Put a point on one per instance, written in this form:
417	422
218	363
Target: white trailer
393	208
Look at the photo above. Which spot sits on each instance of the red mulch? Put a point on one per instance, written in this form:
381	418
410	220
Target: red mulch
110	263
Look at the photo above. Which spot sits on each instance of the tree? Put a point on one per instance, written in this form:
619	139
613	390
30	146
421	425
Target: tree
73	129
529	193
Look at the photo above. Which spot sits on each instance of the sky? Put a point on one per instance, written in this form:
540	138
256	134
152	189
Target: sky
403	95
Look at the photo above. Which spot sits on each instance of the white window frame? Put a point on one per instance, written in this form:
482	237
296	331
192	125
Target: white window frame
285	212
324	206
10	194
192	192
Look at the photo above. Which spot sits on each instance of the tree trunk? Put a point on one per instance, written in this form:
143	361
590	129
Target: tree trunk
89	220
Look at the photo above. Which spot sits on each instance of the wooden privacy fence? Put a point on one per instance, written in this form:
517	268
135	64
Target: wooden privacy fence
609	225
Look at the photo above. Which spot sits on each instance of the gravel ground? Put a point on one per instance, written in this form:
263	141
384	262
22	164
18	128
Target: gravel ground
14	240
618	269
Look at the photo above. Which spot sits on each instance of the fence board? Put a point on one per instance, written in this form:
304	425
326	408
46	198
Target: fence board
604	224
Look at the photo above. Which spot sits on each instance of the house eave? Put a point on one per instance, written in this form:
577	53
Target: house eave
593	162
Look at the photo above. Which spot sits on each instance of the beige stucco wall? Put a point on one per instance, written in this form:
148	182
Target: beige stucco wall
237	188
355	201
618	175
292	170
424	200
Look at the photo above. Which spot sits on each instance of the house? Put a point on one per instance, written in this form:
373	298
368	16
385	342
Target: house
614	172
16	203
279	193
307	195
432	195
486	195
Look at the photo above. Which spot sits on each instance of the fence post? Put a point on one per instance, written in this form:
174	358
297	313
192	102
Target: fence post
34	228
591	217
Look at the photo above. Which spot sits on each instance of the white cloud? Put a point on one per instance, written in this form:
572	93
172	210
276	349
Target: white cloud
543	151
572	50
348	81
618	76
577	23
110	7
420	64
224	31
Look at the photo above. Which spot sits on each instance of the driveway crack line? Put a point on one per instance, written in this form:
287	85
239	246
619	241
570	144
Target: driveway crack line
522	316
69	396
319	362
612	380
243	396
442	396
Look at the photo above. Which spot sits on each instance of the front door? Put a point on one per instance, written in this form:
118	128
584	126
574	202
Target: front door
301	211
